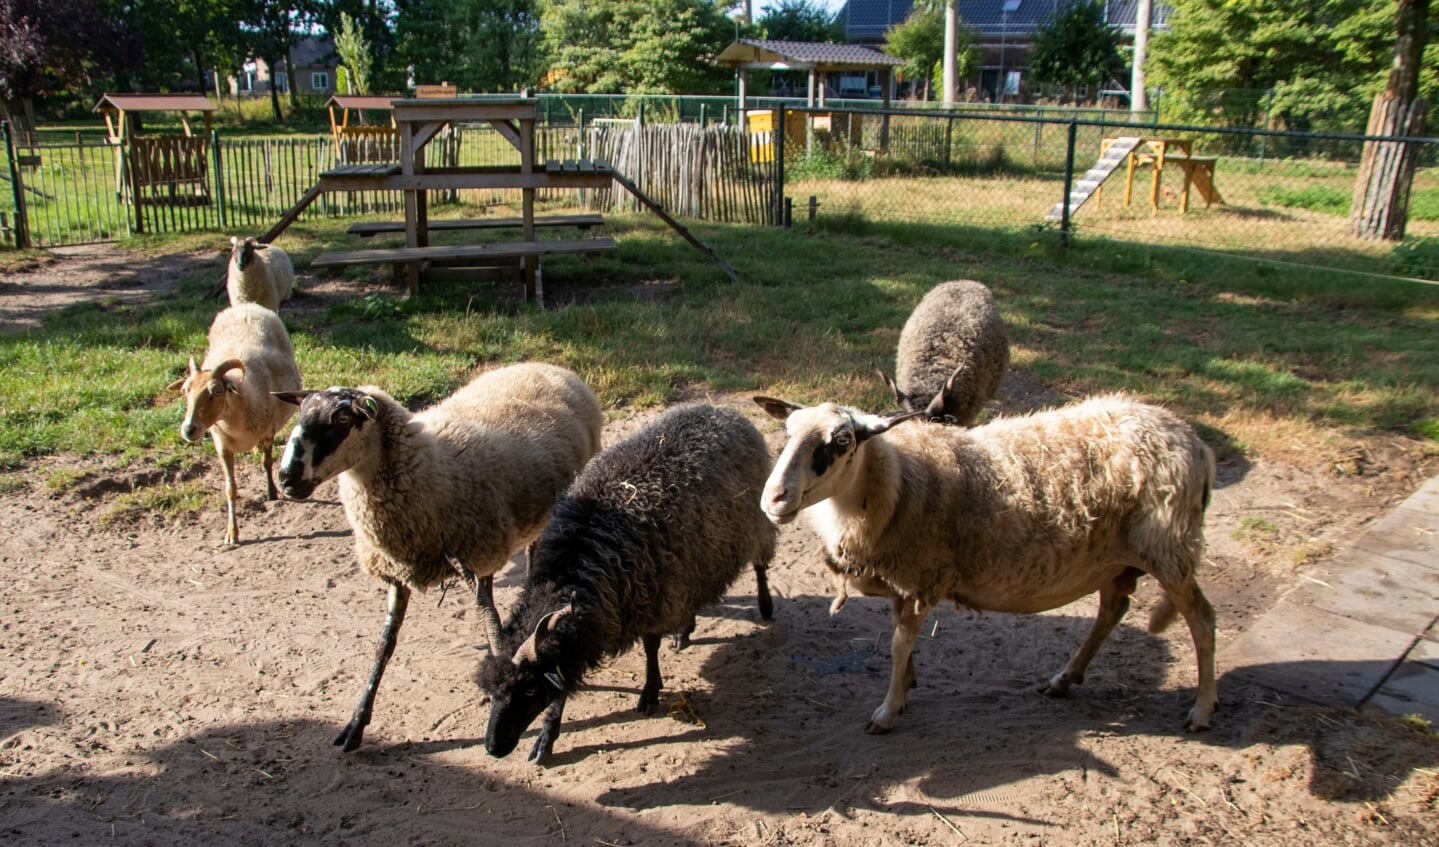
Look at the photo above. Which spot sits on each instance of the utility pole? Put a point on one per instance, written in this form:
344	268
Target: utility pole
1138	95
951	26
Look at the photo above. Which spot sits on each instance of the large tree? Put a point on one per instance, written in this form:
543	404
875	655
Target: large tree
55	46
636	46
478	45
919	41
1307	65
1386	171
801	20
1077	47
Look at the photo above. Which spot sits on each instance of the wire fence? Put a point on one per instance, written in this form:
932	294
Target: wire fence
1270	196
1265	196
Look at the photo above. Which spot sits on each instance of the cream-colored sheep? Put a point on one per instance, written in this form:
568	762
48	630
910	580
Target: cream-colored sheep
452	490
1021	515
250	355
259	273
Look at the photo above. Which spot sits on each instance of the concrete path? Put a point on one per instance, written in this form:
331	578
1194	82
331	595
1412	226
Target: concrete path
1360	630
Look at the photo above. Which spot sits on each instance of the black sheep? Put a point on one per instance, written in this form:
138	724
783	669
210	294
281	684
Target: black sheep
654	528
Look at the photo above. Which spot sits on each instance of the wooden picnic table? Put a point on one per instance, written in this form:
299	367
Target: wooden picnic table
419	121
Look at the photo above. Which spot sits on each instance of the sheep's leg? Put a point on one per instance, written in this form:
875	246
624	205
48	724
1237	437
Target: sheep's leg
650	695
549	731
489	615
1197	612
351	736
766	602
908	618
227	464
484	588
1113	603
267	454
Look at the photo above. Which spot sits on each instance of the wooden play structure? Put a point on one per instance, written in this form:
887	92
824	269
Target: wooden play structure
162	170
363	142
1135	152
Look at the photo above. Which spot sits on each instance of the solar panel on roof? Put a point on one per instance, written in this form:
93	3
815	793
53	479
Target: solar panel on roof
1011	5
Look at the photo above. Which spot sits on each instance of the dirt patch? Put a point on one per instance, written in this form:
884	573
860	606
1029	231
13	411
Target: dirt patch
158	689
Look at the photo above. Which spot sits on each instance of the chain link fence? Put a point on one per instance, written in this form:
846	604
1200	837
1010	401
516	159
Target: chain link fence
1267	196
1270	196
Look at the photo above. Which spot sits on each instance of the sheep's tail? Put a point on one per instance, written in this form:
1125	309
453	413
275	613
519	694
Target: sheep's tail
1162	616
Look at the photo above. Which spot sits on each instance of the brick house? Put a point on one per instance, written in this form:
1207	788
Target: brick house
1004	31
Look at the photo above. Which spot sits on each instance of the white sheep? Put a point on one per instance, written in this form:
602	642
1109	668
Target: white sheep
953	352
249	356
453	490
259	273
1021	515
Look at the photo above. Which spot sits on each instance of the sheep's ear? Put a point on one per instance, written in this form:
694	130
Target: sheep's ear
936	406
194	369
177	384
776	408
529	651
294	398
234	242
366	407
868	426
890	384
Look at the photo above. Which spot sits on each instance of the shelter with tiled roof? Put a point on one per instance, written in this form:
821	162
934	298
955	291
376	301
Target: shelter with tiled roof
818	58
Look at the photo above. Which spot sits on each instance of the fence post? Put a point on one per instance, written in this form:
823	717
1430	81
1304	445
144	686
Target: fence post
17	185
948	142
779	166
1068	185
219	177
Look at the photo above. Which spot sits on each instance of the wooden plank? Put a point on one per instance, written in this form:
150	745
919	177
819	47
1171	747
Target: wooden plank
487	179
466	251
372	228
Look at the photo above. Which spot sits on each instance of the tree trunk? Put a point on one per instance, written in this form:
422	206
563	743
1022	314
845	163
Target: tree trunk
1386	169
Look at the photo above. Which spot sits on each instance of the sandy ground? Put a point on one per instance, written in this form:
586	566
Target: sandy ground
158	689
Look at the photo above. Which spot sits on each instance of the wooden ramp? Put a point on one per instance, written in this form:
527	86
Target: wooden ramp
1114	155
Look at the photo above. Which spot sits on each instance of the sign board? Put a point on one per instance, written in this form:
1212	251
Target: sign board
444	89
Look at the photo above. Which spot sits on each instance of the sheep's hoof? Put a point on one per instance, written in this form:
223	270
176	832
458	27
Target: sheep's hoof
544	745
649	703
877	729
1058	686
350	737
680	640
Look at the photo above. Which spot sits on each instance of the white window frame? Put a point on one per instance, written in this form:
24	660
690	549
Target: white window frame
319	80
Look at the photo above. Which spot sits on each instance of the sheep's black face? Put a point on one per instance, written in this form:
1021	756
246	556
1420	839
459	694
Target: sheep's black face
314	452
518	692
243	253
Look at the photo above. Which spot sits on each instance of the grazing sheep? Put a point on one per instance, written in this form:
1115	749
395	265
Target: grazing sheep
453	490
250	355
259	273
952	355
654	528
1021	515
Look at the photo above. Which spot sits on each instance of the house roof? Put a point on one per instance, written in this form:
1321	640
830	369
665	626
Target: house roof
312	52
869	20
780	55
155	103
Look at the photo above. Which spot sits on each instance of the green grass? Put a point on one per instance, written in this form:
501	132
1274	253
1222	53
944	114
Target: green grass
1257	357
1316	198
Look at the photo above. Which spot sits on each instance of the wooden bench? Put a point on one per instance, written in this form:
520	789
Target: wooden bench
373	228
505	254
1199	172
